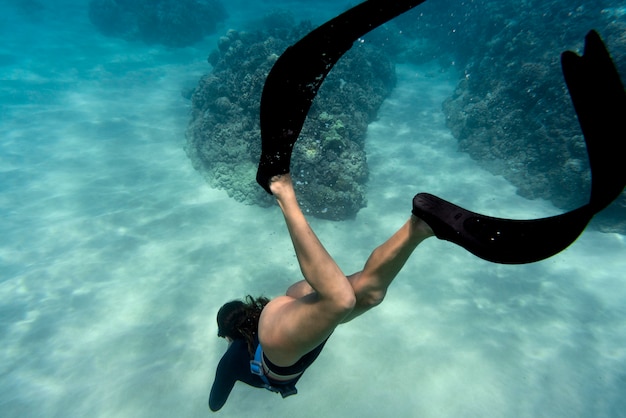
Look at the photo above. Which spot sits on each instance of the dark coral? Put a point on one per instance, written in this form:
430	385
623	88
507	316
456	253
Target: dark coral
329	165
511	110
173	23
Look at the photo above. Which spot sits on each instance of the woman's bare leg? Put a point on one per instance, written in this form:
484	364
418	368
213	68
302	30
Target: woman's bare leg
290	327
383	265
317	266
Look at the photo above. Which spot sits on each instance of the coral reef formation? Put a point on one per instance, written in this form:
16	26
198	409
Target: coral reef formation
511	110
329	165
173	23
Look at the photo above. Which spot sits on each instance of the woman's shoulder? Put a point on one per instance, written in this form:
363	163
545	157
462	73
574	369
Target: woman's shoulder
237	351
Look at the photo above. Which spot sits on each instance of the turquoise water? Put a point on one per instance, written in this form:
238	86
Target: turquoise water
115	255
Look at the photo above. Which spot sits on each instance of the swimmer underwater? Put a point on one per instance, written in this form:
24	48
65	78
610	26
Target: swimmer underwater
272	342
293	329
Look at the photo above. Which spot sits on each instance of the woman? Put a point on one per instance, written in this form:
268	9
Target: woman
273	342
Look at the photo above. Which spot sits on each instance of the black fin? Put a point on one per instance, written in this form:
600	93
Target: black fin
600	102
505	241
297	75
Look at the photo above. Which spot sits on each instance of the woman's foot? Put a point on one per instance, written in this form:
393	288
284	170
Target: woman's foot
282	186
420	229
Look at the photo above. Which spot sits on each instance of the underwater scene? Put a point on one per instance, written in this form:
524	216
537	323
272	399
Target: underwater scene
129	210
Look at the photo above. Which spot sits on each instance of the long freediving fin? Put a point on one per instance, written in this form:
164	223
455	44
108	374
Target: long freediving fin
598	97
296	76
600	102
505	241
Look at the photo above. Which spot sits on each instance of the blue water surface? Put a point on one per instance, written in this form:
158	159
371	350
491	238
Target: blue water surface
115	255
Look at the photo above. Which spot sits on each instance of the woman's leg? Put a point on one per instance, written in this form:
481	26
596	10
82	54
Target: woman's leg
370	285
383	265
291	327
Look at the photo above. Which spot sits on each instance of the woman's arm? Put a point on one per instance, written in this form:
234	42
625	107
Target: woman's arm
225	378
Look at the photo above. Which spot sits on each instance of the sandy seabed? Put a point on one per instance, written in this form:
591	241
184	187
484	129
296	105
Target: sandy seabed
115	256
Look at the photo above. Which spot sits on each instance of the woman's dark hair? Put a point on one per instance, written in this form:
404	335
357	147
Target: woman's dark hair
240	320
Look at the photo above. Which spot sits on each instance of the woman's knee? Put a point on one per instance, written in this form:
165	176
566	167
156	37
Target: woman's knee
337	304
367	296
347	301
343	303
370	298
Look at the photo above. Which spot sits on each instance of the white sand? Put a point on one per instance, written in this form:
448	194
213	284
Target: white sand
115	256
